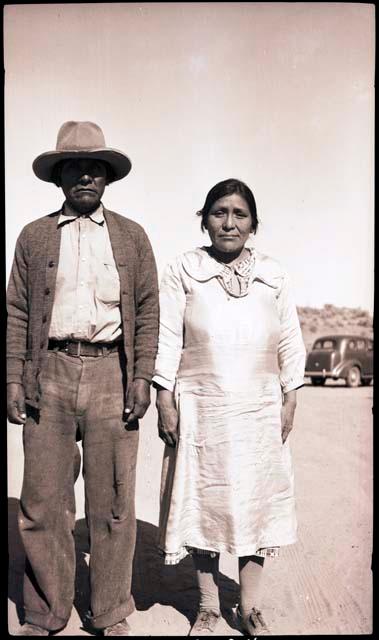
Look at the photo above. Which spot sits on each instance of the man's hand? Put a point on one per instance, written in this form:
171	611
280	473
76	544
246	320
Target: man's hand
288	413
16	403
167	417
137	399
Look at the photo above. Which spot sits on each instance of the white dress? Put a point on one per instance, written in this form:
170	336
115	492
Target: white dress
228	484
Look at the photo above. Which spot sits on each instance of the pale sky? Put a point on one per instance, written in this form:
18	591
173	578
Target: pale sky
280	95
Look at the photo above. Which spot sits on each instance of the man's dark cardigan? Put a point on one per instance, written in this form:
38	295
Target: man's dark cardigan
31	292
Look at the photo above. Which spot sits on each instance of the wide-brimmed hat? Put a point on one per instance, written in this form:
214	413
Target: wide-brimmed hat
81	140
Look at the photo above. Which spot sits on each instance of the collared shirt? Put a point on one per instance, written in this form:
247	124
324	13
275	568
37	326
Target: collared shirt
87	296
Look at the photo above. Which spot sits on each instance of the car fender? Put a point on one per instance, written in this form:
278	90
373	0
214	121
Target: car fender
342	369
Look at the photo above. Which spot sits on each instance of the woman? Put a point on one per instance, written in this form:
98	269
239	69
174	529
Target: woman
230	359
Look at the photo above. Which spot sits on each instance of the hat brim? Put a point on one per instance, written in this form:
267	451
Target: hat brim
44	164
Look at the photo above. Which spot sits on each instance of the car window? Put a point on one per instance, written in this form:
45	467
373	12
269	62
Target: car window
351	345
361	344
325	344
370	345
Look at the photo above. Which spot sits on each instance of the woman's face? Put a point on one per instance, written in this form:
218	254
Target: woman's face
229	223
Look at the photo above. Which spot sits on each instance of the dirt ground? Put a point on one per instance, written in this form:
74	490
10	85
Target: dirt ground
321	585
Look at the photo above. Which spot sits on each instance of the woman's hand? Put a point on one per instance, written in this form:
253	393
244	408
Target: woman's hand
167	416
288	413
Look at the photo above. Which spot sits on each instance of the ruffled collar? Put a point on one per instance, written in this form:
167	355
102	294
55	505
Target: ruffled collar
201	266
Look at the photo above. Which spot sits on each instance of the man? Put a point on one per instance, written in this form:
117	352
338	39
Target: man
81	343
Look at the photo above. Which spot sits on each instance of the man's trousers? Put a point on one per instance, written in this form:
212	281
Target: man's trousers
85	394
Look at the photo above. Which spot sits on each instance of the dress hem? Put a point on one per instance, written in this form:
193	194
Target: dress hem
172	558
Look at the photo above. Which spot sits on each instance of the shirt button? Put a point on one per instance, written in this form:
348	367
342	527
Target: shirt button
83	259
47	291
82	284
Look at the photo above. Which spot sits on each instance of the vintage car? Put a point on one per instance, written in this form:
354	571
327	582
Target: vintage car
347	356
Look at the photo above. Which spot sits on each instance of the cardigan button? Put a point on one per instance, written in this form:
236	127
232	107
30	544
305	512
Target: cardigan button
44	318
51	263
47	291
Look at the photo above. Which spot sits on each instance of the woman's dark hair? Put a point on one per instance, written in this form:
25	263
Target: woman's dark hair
227	188
57	170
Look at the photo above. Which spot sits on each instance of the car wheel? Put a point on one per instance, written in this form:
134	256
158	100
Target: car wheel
353	377
318	382
366	381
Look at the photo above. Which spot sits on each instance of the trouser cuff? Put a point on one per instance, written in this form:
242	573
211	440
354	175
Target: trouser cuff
45	620
112	617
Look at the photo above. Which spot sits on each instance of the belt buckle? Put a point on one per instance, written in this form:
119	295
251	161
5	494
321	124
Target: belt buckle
70	348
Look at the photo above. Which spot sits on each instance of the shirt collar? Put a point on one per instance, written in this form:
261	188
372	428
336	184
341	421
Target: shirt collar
68	214
202	267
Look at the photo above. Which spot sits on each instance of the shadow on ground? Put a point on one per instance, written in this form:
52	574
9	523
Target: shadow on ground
174	586
153	582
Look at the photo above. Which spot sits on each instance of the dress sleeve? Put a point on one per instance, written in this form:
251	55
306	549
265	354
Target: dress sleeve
291	349
172	302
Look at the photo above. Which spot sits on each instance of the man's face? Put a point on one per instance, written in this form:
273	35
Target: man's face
83	182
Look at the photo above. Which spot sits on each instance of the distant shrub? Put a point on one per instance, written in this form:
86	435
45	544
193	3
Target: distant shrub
361	314
331	319
364	322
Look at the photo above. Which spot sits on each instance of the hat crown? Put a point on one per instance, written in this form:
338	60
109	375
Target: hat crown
79	136
81	140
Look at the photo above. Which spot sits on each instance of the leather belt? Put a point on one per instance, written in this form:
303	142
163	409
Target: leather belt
79	348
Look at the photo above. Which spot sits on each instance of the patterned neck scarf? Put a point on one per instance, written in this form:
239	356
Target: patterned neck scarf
235	279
